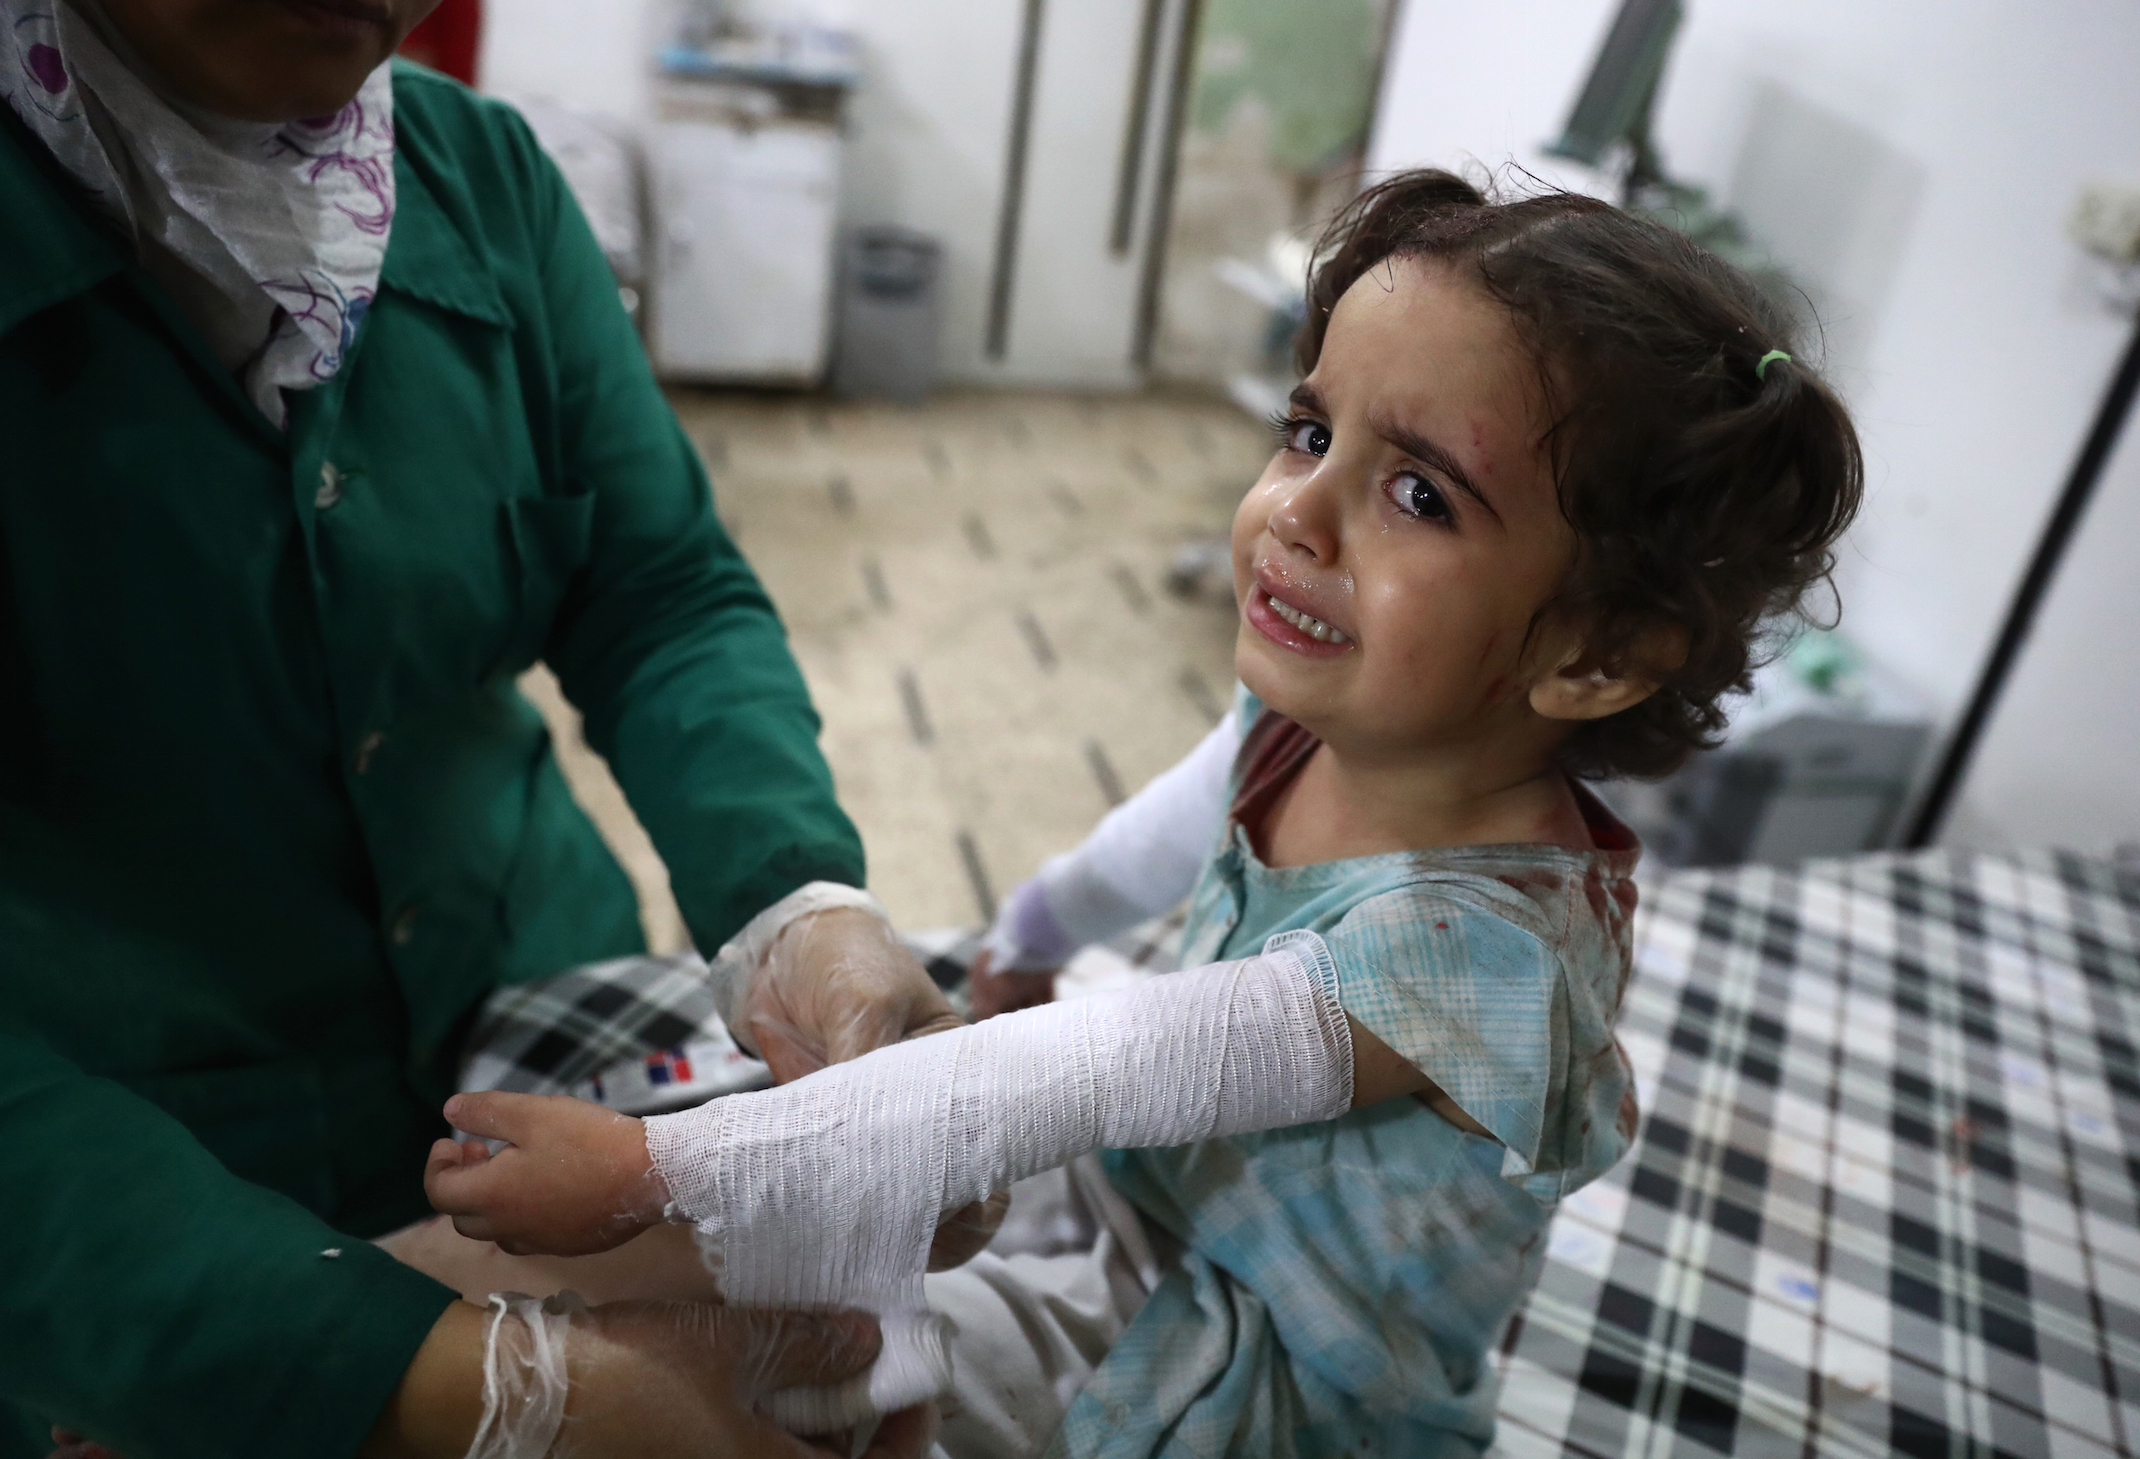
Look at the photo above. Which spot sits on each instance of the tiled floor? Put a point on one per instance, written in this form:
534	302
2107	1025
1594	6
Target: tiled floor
974	592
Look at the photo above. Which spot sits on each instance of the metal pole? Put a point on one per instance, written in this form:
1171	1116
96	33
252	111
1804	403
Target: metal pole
1130	170
2057	535
1012	209
1155	257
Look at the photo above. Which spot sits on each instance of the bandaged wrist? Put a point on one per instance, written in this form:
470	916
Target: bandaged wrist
824	1193
741	956
524	1375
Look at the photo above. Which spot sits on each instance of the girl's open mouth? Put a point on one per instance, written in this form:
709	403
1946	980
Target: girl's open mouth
1289	627
1307	623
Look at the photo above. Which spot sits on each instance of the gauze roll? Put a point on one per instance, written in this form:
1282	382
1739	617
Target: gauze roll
824	1193
524	1375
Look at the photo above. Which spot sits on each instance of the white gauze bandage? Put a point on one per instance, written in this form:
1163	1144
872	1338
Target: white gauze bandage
824	1193
524	1375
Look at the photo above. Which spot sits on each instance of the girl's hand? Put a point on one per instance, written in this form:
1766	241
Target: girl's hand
989	992
574	1179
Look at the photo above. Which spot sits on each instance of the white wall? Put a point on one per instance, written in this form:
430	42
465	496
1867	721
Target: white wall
1911	161
2060	763
554	50
926	138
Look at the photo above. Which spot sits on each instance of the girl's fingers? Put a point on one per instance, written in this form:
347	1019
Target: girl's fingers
490	1114
445	1155
457	1185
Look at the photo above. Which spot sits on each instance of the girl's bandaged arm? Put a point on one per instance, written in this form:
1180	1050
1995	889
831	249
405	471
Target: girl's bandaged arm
578	1178
822	1193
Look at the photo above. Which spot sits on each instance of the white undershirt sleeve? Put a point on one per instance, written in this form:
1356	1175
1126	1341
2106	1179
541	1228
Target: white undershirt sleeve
1141	859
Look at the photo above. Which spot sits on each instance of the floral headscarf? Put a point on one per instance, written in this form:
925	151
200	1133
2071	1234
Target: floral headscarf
285	223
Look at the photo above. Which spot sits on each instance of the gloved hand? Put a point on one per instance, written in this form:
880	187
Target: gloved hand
835	985
677	1379
686	1380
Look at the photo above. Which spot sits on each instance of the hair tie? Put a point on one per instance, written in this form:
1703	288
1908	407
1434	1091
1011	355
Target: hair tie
1761	369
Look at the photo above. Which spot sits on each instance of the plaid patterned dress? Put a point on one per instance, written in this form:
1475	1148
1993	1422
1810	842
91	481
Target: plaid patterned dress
1342	1283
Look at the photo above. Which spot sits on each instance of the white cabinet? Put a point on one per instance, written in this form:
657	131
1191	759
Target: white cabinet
744	223
1048	228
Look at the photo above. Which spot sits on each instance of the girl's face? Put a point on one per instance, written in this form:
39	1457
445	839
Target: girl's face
1391	560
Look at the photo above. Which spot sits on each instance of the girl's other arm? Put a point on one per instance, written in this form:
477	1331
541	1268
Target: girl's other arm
1379	1072
1141	859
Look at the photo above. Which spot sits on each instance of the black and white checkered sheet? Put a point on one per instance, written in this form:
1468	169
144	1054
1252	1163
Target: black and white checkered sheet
551	1037
1883	1196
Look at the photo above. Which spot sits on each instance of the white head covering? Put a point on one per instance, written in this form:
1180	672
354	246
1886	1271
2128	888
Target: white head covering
270	236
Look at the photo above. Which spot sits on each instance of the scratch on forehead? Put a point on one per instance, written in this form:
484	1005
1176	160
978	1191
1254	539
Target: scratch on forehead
1478	446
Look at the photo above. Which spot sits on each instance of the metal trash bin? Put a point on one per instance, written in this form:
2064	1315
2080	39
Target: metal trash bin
889	313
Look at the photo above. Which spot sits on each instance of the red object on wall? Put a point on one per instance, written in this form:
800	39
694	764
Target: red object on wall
448	38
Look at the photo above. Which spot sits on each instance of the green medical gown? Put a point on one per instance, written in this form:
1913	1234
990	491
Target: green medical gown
273	819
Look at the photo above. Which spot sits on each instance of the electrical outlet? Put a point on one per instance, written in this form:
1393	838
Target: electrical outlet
2106	221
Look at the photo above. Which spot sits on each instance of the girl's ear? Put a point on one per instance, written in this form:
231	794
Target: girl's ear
1579	687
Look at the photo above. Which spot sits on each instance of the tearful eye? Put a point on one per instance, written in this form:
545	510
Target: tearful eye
1310	436
1416	496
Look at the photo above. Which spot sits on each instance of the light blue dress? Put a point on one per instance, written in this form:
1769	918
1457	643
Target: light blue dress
1342	1283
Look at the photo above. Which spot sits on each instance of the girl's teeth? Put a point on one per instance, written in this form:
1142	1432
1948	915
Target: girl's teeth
1315	628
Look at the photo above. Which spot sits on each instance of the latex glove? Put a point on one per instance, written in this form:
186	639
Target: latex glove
686	1378
835	985
676	1379
679	1379
989	992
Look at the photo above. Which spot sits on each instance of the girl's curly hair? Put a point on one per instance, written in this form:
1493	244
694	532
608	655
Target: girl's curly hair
1704	490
